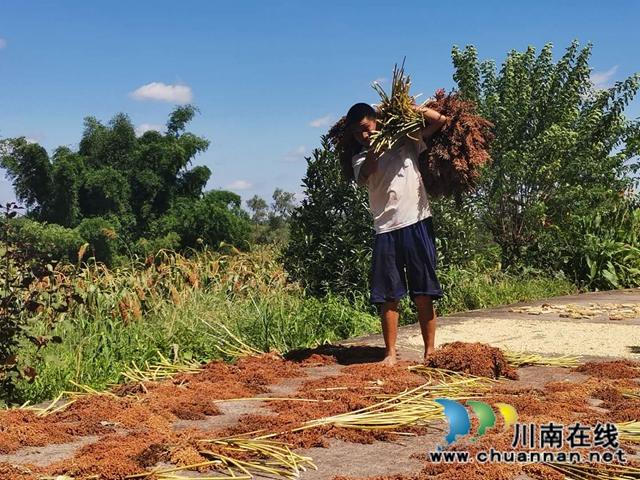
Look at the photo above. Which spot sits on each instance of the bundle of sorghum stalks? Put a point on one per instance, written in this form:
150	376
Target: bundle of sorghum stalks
451	163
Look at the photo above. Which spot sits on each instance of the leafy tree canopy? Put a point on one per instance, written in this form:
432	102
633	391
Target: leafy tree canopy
141	187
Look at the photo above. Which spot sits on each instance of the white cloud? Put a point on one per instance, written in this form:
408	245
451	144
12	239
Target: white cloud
163	93
146	127
299	196
321	122
381	80
3	43
295	155
601	79
238	185
33	137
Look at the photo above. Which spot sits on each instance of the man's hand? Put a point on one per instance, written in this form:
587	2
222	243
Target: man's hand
370	164
434	120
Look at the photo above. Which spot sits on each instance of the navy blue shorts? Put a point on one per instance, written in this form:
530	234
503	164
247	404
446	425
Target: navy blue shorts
405	255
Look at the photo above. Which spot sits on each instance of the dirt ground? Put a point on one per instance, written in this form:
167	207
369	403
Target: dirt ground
609	330
137	428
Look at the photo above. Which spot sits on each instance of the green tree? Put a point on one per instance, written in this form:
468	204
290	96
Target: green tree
220	218
67	174
101	234
29	169
271	225
560	149
60	242
259	210
281	209
216	217
283	204
138	187
332	234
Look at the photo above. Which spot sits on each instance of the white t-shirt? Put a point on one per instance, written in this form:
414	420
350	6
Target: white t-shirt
397	196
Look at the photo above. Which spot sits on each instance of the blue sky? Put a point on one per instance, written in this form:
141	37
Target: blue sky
268	77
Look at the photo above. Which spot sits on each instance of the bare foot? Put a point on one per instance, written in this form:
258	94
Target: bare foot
427	354
389	359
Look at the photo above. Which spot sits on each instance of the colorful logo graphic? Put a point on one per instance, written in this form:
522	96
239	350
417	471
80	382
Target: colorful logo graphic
460	424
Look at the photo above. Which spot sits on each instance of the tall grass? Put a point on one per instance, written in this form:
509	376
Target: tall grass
473	289
176	305
94	351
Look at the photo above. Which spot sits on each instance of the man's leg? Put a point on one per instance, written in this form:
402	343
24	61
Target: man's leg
389	317
427	319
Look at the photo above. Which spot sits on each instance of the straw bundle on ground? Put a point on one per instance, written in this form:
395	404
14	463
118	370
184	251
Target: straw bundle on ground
161	370
242	458
520	359
413	407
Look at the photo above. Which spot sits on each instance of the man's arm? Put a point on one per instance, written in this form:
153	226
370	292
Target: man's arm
434	120
369	166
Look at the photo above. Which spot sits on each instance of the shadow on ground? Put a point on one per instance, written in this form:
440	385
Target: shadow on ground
344	355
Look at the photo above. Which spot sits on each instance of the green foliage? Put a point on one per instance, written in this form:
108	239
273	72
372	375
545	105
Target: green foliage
274	233
138	187
216	217
105	192
478	287
61	243
609	255
67	174
259	210
271	225
559	148
331	236
28	167
20	269
96	344
283	204
101	236
460	238
220	218
95	349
